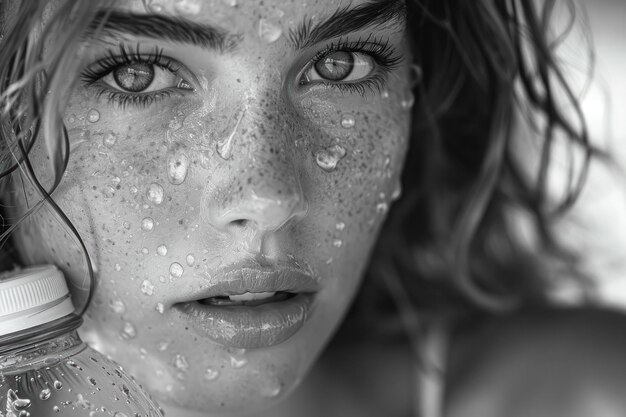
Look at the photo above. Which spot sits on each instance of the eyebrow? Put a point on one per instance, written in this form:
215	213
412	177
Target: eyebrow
157	26
377	13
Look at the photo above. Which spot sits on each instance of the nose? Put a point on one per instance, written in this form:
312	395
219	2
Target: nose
255	184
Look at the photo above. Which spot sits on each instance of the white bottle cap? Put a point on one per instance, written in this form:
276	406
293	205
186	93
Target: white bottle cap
31	297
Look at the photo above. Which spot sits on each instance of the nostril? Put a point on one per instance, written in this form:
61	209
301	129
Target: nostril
239	222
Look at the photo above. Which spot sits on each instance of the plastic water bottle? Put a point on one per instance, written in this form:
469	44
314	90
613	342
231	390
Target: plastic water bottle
45	368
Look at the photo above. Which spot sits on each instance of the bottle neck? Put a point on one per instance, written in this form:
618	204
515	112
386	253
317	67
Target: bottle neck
16	342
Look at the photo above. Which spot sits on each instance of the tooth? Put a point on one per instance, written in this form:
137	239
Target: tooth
251	296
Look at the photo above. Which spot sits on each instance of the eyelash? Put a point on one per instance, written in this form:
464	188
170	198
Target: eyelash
380	50
95	72
383	54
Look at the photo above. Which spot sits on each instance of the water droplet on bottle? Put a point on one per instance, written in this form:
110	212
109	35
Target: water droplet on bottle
93	115
45	394
57	384
337	243
162	250
269	31
189	7
128	331
176	270
347	121
211	374
160	308
177	167
109	139
328	159
190	259
340	226
154	193
147	287
147	224
117	306
180	362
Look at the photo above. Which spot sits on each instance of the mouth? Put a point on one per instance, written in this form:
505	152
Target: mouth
250	306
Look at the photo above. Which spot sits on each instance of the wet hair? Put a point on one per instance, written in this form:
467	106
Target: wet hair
489	79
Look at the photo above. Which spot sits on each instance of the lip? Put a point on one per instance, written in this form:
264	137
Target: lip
252	327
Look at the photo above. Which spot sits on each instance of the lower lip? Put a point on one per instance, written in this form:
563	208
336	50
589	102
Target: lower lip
246	327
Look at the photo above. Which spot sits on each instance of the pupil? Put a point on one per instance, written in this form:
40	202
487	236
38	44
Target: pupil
335	66
134	77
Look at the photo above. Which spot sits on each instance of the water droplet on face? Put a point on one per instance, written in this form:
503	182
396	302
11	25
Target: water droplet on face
57	384
128	331
415	75
159	307
177	167
109	139
126	225
45	394
93	116
238	362
145	251
108	192
117	306
384	94
154	193
190	259
180	362
211	374
231	3
272	389
162	279
348	121
337	243
147	288
176	270
162	250
397	192
340	226
91	380
56	409
381	208
327	159
189	7
163	345
408	101
147	224
269	31
118	267
224	147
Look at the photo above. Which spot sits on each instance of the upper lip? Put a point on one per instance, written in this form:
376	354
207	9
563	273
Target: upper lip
252	277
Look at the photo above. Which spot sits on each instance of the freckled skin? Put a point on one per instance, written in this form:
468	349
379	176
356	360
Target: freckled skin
270	186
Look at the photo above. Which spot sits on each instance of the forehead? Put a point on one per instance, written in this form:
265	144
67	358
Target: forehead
244	15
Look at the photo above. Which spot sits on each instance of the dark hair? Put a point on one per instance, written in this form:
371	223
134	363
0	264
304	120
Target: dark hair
473	232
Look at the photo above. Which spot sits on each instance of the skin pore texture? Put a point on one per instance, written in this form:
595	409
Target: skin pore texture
231	154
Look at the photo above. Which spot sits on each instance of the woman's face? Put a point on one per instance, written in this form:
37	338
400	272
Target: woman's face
231	164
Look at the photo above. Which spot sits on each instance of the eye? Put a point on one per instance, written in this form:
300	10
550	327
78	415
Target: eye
143	77
340	66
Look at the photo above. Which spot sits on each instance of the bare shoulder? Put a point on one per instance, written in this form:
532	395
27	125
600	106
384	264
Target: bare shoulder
553	362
